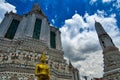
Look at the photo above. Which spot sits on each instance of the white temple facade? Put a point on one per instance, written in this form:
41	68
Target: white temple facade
23	39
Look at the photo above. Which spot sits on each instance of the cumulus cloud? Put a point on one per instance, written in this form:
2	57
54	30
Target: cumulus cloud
5	7
92	65
80	41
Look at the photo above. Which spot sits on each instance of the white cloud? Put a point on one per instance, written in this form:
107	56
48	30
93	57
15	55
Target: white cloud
80	41
117	4
92	1
53	21
4	7
106	1
101	13
103	1
92	65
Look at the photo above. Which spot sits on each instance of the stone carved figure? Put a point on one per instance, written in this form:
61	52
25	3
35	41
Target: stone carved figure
5	58
36	58
42	69
24	56
14	56
30	78
14	77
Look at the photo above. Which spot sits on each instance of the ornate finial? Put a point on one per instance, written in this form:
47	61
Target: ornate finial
6	13
69	61
36	9
70	64
36	6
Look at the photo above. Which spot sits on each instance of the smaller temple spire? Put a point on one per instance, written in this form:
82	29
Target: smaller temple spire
70	64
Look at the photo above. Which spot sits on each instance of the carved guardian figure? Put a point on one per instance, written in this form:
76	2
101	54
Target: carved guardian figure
42	69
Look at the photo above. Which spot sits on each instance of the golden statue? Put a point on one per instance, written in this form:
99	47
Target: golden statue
42	70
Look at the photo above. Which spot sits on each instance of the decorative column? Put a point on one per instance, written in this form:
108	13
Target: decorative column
21	28
30	25
58	40
5	24
44	30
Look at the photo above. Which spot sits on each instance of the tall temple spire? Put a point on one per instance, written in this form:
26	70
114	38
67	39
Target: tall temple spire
111	54
104	38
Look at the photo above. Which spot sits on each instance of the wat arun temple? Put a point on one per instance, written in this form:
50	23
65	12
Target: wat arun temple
22	41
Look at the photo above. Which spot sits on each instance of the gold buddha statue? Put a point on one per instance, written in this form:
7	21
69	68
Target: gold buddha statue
42	70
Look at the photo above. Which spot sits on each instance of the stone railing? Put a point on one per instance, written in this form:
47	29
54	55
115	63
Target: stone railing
16	68
30	69
60	74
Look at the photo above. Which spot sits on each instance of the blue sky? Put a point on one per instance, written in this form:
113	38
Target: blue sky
75	18
60	10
